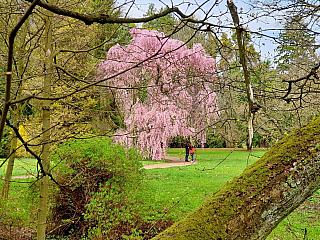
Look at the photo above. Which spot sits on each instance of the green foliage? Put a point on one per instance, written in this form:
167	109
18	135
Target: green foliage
105	31
261	141
164	24
215	141
99	180
28	110
178	142
294	39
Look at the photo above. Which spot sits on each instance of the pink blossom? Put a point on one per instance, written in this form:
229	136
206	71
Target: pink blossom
177	101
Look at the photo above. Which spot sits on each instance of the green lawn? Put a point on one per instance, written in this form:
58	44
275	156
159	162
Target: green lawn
194	183
191	185
22	166
20	212
179	190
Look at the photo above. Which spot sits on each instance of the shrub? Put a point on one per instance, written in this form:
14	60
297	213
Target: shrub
96	197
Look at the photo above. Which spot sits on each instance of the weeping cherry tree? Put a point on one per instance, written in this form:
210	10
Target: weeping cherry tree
167	91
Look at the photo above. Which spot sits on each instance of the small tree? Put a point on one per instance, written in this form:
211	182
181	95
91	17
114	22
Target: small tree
166	93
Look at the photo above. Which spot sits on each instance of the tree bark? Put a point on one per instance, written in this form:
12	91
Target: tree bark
247	78
44	183
254	203
16	111
9	170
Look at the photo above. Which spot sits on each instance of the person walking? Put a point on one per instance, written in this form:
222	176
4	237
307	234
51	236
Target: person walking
191	152
188	147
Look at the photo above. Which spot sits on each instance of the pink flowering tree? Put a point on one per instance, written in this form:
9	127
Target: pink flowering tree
166	91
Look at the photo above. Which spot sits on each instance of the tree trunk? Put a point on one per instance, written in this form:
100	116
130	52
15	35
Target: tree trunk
254	203
44	183
16	111
7	179
250	131
247	78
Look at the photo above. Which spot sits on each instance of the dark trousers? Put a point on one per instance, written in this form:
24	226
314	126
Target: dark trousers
187	155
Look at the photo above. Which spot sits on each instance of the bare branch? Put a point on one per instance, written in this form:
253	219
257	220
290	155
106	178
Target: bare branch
12	36
104	18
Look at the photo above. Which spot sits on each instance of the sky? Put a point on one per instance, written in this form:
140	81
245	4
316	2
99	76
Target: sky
220	15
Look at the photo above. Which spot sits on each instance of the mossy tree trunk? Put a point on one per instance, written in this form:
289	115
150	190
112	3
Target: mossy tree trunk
254	203
44	183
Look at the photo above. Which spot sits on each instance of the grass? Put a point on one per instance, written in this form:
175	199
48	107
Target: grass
22	166
191	185
179	190
19	215
185	188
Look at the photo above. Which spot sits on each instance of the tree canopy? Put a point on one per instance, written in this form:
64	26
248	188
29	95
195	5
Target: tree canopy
166	93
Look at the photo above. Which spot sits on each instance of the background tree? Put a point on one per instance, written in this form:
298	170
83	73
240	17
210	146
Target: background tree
16	112
46	125
169	92
165	24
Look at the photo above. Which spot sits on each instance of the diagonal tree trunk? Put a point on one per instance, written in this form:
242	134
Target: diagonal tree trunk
254	203
44	183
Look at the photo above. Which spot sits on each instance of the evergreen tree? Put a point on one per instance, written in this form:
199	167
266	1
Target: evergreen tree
298	48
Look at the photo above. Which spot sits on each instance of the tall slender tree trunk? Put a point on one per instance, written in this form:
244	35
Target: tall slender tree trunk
44	183
16	111
243	61
6	185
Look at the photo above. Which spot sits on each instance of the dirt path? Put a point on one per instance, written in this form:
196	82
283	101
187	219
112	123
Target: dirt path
173	162
20	177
